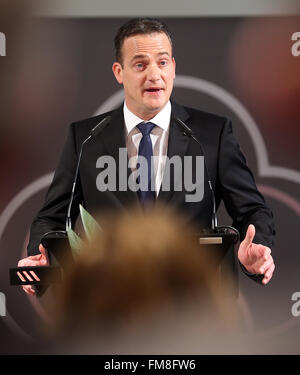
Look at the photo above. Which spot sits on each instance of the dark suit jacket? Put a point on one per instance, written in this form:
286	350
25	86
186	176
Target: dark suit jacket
232	180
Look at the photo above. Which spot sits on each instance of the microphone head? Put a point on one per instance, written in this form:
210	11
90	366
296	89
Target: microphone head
100	126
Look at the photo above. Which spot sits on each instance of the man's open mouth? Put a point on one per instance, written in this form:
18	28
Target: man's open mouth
154	89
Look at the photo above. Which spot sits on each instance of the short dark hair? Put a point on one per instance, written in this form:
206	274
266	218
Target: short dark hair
138	26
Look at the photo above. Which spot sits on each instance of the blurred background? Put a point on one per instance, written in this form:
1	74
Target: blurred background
236	58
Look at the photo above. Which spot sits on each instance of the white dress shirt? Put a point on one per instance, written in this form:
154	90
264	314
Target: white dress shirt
159	138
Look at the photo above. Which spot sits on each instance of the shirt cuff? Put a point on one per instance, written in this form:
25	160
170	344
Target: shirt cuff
254	276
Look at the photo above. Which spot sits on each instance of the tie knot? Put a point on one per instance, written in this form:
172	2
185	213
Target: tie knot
145	127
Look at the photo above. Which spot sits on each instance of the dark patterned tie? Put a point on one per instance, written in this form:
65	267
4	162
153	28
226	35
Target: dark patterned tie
145	150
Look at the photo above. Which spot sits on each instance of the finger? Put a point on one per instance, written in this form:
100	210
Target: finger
264	251
268	274
43	254
28	289
259	254
34	258
249	235
270	271
266	265
260	250
42	249
30	263
262	263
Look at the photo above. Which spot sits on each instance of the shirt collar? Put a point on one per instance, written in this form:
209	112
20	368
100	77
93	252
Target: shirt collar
162	119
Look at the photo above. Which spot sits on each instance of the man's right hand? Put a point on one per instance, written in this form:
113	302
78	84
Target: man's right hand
35	260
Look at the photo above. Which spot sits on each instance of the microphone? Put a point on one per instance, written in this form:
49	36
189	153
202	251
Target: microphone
93	133
189	132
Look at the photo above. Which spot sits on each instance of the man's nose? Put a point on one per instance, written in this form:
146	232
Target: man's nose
153	72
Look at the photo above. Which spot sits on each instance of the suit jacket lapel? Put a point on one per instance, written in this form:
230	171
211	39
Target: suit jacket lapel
113	139
177	145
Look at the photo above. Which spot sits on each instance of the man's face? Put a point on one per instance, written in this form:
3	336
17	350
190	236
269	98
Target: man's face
147	73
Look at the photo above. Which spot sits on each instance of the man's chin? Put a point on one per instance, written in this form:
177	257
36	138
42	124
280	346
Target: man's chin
151	112
155	105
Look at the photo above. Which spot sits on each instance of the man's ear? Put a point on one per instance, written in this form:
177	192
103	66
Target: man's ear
118	72
174	65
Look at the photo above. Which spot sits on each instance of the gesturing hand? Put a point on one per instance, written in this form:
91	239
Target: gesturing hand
256	258
35	260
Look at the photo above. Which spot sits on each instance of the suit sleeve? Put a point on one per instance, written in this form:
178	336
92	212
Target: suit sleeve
244	203
53	214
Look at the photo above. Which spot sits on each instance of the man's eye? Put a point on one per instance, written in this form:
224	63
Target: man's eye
163	62
139	66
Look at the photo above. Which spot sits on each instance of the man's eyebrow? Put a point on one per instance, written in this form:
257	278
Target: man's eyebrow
141	56
164	53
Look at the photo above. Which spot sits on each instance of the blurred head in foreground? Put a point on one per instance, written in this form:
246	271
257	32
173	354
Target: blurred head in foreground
143	278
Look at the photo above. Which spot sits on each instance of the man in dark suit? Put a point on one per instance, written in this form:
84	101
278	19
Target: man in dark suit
145	126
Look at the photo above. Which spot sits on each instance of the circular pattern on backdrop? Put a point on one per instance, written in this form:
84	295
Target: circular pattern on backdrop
216	92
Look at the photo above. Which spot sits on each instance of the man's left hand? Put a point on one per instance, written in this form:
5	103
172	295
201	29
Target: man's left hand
256	258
